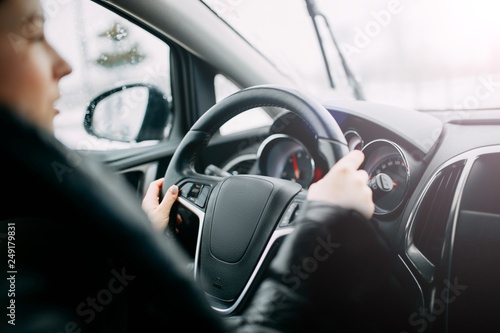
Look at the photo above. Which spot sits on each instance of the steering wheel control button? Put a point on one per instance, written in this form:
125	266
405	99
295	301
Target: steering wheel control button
195	191
185	189
202	198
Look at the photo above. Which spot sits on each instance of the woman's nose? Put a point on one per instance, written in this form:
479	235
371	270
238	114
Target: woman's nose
61	66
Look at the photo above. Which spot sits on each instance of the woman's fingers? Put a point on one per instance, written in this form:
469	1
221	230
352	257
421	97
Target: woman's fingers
158	212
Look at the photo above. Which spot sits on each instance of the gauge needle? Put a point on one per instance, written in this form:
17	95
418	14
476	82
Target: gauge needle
295	167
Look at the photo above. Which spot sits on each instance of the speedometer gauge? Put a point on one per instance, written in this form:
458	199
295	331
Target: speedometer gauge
282	156
389	175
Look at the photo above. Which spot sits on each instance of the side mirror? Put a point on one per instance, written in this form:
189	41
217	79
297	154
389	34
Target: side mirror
130	113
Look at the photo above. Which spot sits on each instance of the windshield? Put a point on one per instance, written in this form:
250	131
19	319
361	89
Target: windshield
426	54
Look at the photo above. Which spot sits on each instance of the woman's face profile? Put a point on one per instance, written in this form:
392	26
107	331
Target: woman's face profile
30	69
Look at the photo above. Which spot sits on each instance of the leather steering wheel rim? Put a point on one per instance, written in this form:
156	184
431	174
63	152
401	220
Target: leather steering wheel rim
228	230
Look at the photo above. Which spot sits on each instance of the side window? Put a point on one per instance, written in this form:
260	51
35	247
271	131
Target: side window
247	120
115	63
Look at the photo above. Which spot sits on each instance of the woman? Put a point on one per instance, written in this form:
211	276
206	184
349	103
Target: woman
31	70
54	293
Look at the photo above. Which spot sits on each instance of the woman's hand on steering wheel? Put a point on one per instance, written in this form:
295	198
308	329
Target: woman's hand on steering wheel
345	185
158	212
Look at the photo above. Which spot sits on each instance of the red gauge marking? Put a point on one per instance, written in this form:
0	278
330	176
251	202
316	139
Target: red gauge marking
295	167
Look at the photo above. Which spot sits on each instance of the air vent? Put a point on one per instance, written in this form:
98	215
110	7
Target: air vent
475	249
434	212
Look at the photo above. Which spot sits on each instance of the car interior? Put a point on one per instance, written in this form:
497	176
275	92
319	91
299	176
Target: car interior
434	174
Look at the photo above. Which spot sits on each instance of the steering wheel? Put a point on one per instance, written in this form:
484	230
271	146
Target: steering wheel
241	217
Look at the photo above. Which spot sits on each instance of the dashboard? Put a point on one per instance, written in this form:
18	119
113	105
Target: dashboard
435	185
404	149
288	151
287	157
